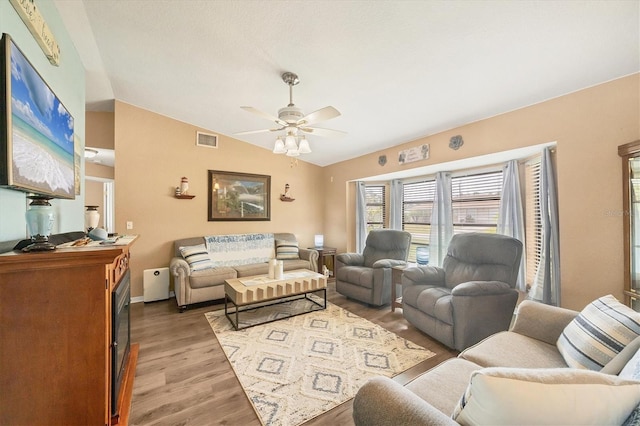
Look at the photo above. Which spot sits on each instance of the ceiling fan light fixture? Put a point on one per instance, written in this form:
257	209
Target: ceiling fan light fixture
279	146
303	146
294	122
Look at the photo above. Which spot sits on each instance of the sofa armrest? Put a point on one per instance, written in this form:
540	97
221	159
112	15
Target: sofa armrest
351	259
481	288
388	263
423	275
310	255
181	271
383	402
179	266
542	322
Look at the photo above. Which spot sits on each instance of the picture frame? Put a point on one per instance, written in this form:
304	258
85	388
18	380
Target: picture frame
238	196
37	138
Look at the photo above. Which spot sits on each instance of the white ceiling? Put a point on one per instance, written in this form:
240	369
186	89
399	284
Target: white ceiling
396	70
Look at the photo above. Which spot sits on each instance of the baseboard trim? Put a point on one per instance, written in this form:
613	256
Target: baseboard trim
140	299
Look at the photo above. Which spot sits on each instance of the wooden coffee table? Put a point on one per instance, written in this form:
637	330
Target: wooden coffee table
258	291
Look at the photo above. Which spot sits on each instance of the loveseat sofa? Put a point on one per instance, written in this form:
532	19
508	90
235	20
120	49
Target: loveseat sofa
509	378
201	265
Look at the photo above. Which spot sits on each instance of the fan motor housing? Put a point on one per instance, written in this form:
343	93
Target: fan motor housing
290	114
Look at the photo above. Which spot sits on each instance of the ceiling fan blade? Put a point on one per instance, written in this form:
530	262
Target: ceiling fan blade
327	133
264	115
250	132
323	114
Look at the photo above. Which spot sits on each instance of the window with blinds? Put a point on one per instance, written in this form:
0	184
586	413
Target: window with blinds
475	201
374	198
417	204
533	218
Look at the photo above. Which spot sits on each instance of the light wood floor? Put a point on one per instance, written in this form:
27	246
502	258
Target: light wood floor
184	378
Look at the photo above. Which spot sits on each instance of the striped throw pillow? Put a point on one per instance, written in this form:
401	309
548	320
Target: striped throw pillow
598	333
197	257
287	250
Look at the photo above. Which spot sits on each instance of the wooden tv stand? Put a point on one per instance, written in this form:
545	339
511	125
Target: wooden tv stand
55	336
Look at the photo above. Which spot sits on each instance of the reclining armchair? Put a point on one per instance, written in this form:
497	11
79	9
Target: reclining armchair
367	277
471	296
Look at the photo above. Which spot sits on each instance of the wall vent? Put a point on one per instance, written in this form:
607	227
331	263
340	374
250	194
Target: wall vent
206	139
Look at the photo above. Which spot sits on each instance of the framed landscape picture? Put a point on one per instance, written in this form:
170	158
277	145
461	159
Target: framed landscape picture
239	196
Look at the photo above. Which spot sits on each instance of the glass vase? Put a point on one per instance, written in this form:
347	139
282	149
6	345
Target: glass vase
422	255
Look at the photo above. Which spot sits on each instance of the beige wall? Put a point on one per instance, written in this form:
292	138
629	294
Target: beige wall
588	126
100	129
153	152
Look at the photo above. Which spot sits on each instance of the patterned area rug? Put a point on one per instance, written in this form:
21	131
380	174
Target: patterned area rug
296	368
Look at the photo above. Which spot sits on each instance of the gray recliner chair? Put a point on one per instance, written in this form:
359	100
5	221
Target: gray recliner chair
471	297
367	277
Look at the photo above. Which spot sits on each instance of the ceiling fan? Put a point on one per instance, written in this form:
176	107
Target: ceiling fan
292	119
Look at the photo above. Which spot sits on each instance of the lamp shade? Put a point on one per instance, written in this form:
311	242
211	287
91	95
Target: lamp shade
318	240
290	143
293	153
279	147
303	146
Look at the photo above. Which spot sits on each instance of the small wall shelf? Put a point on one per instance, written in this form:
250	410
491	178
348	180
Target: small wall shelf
185	197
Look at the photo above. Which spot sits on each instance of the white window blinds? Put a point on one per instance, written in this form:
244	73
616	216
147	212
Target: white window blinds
375	201
475	200
417	204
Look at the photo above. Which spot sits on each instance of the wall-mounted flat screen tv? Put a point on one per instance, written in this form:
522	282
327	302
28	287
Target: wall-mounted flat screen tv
36	136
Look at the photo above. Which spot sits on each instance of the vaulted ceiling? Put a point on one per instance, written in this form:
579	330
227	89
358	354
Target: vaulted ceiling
396	70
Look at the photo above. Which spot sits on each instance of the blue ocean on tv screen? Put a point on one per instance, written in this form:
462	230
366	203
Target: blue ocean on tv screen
42	133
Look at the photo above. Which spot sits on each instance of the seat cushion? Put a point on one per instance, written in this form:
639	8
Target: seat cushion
509	349
434	301
211	277
252	269
443	385
292	264
357	275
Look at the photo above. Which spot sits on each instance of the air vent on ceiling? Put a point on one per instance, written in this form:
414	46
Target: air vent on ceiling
206	139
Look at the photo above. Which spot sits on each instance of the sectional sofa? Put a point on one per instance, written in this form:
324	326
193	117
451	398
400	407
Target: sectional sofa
531	374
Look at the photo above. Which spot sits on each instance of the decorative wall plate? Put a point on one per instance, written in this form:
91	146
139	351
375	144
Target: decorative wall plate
456	142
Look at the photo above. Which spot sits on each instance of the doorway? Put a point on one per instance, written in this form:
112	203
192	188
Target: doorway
100	192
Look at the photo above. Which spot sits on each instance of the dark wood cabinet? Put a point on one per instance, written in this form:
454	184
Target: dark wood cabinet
55	336
630	154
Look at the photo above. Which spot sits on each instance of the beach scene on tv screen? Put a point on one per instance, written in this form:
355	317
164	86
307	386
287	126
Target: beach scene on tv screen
42	133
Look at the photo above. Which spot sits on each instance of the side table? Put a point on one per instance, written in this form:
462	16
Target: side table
396	279
323	254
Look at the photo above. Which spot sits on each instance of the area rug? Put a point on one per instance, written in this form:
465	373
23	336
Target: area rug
295	369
